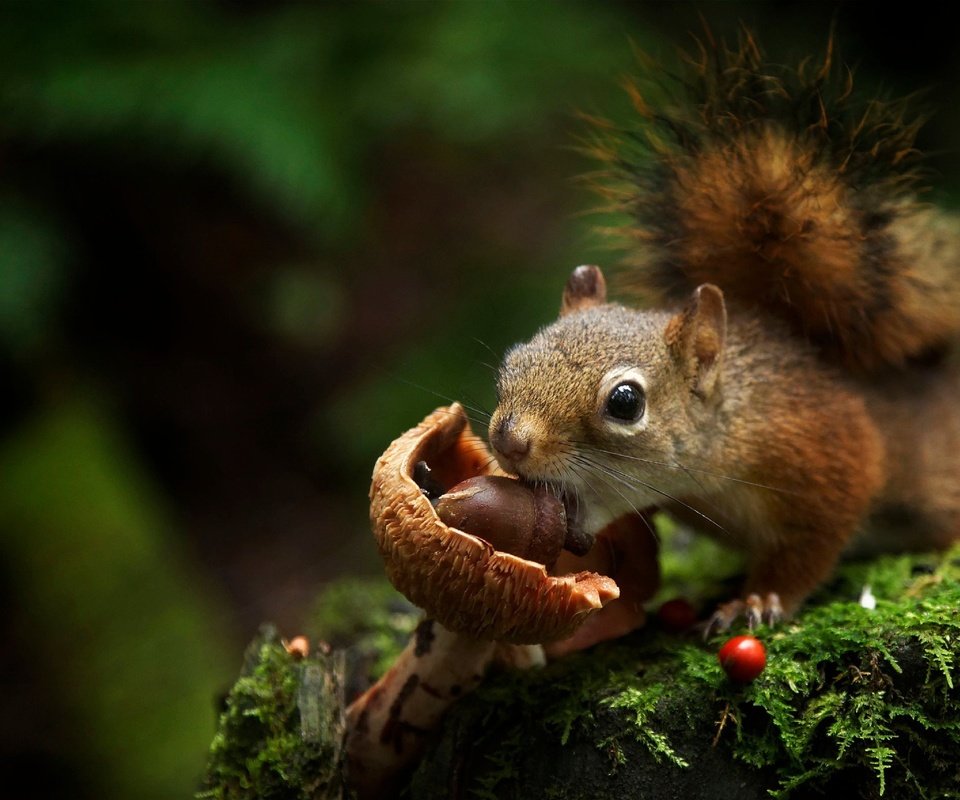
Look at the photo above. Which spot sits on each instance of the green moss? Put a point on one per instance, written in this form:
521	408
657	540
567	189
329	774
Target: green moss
852	699
643	705
693	566
870	691
281	730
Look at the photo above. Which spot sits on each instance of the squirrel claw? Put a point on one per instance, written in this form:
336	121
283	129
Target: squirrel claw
723	617
772	609
755	609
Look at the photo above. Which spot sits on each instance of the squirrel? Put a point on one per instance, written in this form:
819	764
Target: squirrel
790	387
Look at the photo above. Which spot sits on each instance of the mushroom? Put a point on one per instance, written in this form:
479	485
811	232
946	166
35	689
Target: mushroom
459	578
483	604
389	725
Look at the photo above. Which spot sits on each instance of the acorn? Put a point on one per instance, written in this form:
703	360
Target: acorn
529	522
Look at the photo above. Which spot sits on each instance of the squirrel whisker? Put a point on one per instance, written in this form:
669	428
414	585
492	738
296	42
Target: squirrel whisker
585	470
677	465
631	481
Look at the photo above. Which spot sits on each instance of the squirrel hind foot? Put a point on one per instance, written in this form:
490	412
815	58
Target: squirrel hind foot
754	608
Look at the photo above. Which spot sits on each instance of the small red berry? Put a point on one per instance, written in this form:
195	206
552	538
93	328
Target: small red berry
743	658
677	615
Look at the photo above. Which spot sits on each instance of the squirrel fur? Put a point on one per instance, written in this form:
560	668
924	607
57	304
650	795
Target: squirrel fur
792	386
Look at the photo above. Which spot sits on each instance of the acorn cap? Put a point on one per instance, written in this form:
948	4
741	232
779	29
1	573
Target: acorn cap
460	579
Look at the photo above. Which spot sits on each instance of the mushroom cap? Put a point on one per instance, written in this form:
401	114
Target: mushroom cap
460	579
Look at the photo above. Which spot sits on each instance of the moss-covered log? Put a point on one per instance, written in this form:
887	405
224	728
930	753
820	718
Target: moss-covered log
855	700
281	731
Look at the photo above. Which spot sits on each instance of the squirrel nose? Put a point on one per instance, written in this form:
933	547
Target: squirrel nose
510	442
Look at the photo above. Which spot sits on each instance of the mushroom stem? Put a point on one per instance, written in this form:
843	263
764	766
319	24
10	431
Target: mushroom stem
388	725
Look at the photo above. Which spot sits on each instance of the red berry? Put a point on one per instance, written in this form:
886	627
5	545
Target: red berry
743	658
677	615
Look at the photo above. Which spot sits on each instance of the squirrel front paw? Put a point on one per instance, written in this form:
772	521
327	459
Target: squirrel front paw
754	608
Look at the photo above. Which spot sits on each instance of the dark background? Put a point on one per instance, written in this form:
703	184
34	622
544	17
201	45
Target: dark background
242	247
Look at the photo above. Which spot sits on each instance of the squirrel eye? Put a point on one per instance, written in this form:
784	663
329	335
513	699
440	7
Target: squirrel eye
625	402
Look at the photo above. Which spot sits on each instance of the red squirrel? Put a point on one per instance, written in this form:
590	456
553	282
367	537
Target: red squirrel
790	386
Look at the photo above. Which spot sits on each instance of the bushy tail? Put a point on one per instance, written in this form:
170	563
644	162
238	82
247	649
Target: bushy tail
779	186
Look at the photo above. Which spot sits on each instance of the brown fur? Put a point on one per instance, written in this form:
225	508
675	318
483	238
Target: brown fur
785	235
793	195
779	455
823	412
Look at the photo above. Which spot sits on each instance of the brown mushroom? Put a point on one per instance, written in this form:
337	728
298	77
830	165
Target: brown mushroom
389	725
458	578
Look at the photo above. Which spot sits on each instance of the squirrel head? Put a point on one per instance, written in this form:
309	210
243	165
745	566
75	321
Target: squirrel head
600	402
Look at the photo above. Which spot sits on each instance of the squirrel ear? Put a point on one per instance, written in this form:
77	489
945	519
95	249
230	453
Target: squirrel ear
696	336
586	288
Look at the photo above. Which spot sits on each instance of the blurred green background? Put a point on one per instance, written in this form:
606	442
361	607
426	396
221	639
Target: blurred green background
243	246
